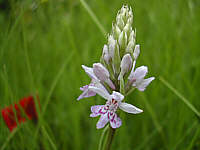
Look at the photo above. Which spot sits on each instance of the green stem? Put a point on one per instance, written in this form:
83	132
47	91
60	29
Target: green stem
110	138
102	137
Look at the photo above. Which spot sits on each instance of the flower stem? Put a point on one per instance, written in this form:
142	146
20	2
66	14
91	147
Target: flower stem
102	138
110	138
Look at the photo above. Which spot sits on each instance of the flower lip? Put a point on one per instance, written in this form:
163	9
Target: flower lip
108	111
112	105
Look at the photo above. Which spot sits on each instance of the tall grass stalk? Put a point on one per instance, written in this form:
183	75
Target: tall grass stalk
184	100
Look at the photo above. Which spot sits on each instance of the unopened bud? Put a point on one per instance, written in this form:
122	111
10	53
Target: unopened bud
111	45
136	52
106	56
120	21
122	39
117	60
130	47
116	31
126	65
127	28
130	21
132	36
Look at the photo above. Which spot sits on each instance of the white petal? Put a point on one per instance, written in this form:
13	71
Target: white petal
129	108
85	94
136	52
90	72
100	91
140	72
144	83
98	85
117	96
100	71
102	121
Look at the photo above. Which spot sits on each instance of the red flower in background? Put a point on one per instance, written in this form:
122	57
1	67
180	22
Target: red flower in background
25	106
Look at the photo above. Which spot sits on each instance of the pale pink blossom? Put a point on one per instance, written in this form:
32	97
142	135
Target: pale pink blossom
107	112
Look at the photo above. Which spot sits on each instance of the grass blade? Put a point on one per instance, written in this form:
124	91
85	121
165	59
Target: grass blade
93	16
186	134
154	118
9	138
62	69
193	139
186	101
48	137
60	72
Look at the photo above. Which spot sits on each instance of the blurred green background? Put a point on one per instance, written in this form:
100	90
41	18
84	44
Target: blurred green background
43	45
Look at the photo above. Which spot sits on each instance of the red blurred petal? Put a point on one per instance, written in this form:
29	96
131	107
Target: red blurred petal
9	117
20	117
26	104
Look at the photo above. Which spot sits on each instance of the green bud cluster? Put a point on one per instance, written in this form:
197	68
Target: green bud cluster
120	42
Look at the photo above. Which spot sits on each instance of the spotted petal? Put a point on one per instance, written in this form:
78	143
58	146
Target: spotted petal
115	122
129	108
102	121
96	110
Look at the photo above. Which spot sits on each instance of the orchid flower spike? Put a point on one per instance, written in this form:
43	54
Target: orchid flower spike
116	72
108	111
